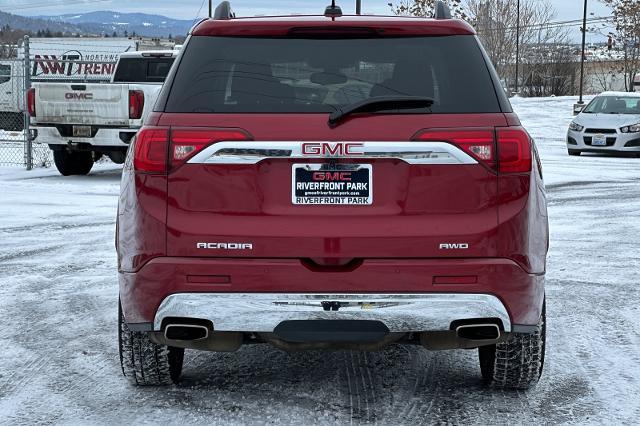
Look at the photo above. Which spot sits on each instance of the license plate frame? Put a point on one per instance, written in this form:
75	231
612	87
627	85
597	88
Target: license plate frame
82	131
599	140
332	184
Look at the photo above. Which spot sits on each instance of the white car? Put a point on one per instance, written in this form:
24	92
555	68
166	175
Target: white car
609	123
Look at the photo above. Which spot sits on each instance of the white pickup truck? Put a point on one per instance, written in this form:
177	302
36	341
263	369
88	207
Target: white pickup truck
81	122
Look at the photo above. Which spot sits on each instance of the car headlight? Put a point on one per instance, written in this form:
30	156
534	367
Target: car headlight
634	128
575	127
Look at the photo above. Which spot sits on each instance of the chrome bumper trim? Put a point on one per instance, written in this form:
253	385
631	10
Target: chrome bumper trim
252	152
262	312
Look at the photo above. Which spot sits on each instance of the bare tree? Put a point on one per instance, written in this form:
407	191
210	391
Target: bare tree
425	8
604	71
541	44
626	17
549	69
496	23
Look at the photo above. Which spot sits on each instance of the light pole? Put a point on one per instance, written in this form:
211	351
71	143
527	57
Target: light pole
584	34
517	44
358	7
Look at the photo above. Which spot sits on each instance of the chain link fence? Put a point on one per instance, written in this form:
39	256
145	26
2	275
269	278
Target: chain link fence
14	147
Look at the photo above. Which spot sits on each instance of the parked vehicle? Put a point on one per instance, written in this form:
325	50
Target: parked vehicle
83	121
56	59
610	123
11	95
270	199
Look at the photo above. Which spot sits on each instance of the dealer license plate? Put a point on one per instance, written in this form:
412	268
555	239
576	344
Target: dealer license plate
322	184
599	140
82	131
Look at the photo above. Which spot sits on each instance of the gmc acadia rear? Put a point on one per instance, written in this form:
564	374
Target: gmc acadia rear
332	181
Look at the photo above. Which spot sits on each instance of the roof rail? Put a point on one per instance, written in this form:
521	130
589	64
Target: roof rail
223	11
441	10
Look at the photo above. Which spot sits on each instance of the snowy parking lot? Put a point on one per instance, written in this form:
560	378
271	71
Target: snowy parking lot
58	306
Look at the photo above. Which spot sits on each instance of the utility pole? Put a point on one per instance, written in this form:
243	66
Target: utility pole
517	44
210	8
358	7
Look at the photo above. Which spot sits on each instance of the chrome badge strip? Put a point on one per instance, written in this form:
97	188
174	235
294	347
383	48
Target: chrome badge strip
252	152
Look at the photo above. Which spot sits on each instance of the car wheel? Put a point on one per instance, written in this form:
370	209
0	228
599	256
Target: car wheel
73	163
516	363
574	152
145	363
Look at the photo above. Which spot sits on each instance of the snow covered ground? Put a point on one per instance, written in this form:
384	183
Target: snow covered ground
58	296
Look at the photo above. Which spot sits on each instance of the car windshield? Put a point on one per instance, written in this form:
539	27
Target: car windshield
614	105
265	75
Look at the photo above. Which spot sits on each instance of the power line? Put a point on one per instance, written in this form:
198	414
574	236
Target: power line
199	10
553	24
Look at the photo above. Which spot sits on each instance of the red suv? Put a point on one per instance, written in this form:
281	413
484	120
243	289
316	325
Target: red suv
332	182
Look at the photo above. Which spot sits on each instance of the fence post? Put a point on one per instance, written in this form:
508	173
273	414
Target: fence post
27	85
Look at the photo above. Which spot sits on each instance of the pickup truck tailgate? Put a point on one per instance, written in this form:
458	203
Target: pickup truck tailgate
78	103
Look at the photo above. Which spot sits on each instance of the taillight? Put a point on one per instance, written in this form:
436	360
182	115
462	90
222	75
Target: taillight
479	143
514	150
31	102
136	104
507	151
157	149
150	150
187	141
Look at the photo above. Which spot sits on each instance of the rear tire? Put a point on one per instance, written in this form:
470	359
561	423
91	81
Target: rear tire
145	363
516	363
73	163
574	152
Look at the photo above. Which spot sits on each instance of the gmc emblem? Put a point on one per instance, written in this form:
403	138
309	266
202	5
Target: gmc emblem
82	96
328	176
332	149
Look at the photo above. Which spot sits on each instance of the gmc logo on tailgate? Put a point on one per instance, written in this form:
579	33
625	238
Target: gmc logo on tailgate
82	96
332	149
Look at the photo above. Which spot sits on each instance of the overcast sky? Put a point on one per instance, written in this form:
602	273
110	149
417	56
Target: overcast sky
188	9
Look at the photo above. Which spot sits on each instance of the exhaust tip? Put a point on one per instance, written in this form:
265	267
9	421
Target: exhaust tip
185	332
478	331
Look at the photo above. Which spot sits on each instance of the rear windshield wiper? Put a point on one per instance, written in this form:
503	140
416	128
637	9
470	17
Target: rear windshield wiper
379	103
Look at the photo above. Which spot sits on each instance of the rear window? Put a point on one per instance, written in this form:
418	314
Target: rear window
263	75
142	70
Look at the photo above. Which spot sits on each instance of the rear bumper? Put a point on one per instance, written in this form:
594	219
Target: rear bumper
104	137
263	312
445	288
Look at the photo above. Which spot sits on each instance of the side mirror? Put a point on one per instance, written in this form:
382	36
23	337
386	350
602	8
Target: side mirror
577	108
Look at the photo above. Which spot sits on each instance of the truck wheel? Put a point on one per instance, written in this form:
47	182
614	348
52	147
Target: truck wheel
73	163
143	362
516	363
117	157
